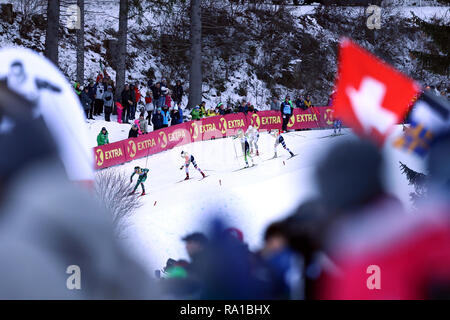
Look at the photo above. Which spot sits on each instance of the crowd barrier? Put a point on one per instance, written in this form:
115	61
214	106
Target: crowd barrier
206	129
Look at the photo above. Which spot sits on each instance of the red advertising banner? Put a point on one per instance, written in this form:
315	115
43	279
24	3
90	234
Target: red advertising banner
206	129
231	123
265	120
141	146
217	126
109	155
314	117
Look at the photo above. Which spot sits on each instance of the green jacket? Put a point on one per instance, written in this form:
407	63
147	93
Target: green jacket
202	112
102	139
195	113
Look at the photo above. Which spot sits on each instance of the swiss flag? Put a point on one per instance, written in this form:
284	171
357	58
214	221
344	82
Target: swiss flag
371	96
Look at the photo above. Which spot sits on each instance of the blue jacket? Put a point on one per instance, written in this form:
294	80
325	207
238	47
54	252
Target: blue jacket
180	111
166	117
286	108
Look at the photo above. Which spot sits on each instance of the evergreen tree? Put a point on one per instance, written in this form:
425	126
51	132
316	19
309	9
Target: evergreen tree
418	180
437	58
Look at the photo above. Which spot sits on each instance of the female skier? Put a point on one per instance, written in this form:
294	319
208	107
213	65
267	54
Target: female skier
188	159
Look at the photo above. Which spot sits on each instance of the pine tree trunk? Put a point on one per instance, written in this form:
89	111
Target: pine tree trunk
195	74
80	44
122	47
51	37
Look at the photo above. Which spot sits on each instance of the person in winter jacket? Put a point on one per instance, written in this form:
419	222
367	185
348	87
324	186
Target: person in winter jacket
102	137
136	122
143	124
133	105
210	113
108	101
275	105
286	112
175	116
91	94
168	100
221	109
77	88
203	109
134	131
142	174
157	119
119	108
166	116
156	90
180	111
164	92
178	92
195	113
300	103
99	89
127	101
149	106
308	103
85	101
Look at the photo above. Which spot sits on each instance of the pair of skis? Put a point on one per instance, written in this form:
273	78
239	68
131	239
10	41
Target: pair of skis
193	179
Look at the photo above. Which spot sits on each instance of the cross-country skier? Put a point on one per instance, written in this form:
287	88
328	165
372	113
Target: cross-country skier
142	173
279	140
245	146
337	125
188	159
253	137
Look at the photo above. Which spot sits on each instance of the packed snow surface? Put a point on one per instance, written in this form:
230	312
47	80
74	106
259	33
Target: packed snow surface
249	199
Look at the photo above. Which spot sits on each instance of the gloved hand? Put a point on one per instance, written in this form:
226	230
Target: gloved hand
181	168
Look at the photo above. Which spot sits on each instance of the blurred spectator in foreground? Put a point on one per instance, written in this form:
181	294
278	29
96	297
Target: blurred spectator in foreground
382	253
195	244
50	227
102	137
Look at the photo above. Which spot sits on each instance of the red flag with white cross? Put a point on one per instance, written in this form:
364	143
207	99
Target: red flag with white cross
371	96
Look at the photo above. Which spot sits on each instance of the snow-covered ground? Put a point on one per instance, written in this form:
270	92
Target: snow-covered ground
249	199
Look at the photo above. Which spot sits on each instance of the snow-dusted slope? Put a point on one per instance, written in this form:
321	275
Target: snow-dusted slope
249	199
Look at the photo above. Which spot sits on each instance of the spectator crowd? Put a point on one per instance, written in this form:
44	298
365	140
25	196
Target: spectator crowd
158	105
